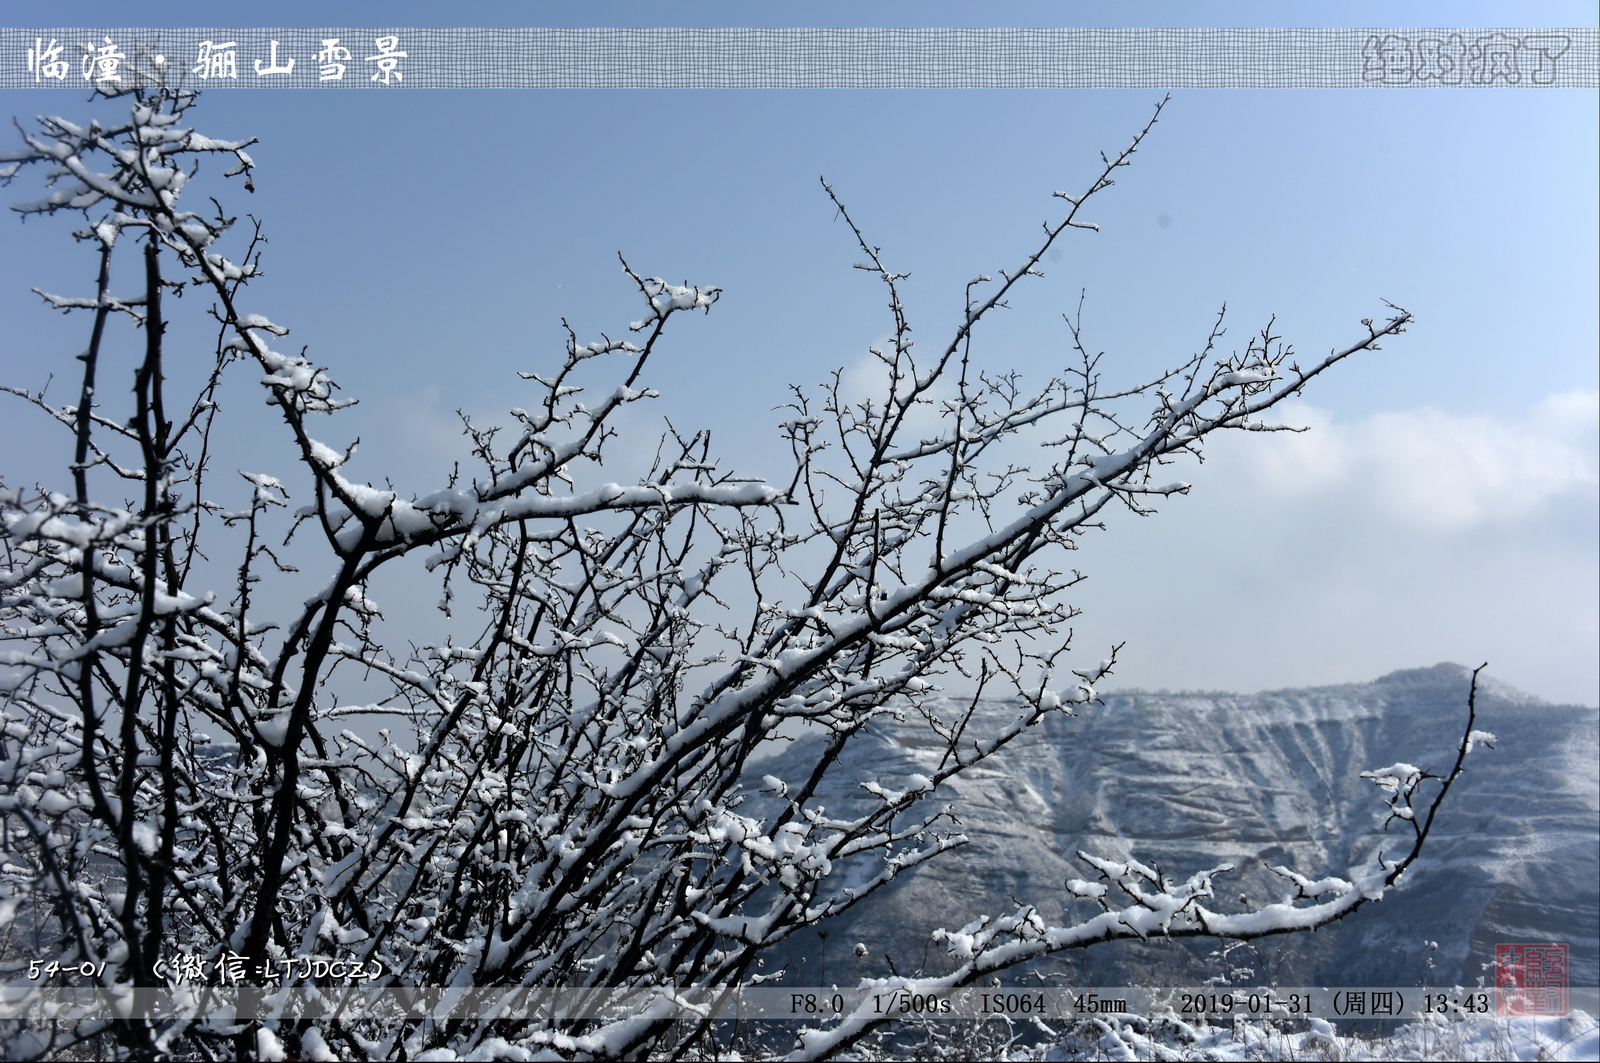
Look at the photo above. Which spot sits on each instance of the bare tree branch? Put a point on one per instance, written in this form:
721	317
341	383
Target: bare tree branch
551	783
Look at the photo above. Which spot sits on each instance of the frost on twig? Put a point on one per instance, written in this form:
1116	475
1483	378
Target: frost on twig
223	739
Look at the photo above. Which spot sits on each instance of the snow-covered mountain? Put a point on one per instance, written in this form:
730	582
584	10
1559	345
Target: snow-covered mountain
1189	781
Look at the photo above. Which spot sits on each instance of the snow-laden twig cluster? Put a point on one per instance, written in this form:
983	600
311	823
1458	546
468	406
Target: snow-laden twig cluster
554	788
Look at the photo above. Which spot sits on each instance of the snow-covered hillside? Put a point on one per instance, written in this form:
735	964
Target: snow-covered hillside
1188	781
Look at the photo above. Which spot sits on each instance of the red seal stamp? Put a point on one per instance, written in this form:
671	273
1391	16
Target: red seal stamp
1531	979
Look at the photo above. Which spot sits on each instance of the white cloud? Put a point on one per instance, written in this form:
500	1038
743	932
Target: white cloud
1396	540
1428	469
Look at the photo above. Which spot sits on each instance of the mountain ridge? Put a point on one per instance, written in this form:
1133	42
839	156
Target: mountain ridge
1191	780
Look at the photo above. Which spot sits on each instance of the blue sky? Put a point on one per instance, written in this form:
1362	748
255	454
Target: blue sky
1444	507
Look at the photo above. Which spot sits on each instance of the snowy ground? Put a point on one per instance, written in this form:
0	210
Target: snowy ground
1575	1037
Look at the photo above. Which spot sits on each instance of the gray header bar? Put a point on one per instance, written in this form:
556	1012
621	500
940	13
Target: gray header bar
790	57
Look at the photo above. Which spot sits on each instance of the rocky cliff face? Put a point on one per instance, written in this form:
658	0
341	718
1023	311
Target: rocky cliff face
1188	781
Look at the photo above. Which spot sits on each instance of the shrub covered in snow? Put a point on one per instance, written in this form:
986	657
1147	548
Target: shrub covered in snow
546	785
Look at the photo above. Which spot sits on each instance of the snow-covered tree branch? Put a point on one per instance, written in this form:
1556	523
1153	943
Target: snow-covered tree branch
556	781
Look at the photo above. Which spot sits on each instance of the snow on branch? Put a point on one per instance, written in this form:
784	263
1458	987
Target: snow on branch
224	737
